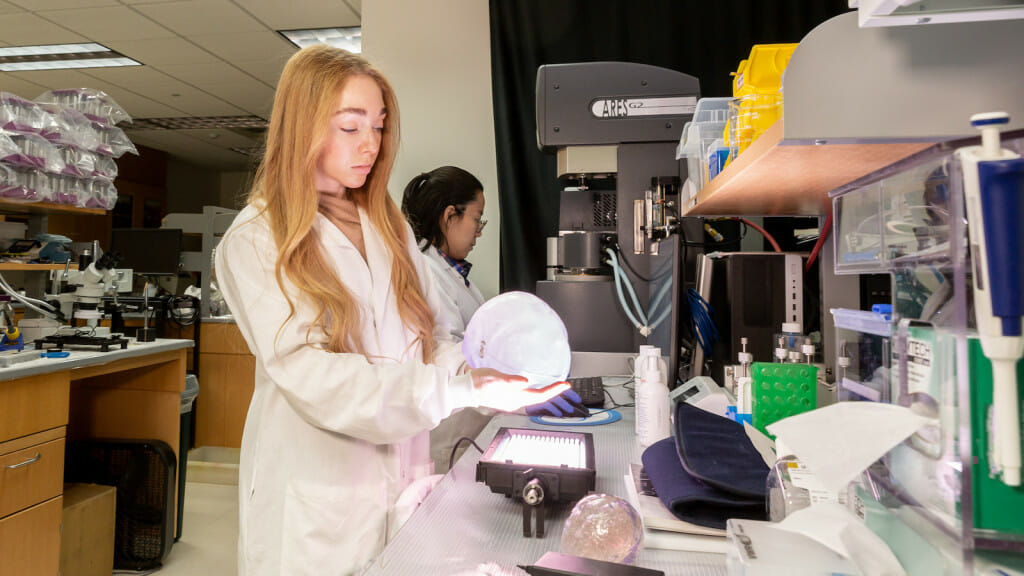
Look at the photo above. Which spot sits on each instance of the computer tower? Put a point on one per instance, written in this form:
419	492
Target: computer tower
752	294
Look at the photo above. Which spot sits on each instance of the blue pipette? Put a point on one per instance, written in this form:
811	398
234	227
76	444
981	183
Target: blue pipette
994	194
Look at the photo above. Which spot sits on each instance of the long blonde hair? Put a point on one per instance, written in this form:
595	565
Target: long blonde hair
285	190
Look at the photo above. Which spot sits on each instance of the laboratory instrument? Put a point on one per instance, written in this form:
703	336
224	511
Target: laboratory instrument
994	195
613	127
705	394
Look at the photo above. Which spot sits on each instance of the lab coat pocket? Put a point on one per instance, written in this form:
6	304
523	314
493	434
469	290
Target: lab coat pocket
331	529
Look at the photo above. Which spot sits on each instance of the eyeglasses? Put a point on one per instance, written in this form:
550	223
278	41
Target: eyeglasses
480	225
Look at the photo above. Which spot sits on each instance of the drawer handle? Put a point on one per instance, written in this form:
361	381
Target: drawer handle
36	458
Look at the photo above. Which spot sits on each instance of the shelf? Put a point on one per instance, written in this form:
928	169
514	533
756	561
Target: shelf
9	207
774	178
18	266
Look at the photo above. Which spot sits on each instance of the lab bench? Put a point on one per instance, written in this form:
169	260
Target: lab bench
462	524
124	393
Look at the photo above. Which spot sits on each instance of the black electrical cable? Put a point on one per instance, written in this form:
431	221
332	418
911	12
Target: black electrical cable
451	459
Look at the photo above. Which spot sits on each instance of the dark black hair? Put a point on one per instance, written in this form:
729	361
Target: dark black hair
428	195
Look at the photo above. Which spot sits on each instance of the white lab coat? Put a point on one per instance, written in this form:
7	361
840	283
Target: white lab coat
331	440
458	301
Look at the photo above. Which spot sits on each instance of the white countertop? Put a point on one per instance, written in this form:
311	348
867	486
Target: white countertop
82	356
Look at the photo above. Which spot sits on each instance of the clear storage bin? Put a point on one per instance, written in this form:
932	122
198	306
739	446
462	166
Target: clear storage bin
863	355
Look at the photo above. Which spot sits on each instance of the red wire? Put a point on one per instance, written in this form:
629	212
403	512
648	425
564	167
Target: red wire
821	242
763	232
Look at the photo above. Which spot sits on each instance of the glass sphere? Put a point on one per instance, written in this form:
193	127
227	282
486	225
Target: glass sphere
603	527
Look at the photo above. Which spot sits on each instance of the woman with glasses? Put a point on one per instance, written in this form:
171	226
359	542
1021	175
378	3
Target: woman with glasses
445	208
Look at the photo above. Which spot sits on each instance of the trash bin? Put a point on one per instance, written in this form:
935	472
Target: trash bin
184	442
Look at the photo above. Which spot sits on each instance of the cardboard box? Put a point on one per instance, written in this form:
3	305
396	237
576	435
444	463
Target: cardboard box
87	532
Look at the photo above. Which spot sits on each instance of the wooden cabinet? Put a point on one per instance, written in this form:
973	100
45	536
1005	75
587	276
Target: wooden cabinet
33	420
227	374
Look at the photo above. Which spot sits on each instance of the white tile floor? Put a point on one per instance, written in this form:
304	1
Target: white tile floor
209	536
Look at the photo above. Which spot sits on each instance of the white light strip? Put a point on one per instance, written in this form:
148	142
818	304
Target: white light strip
52	49
553	451
350	38
60	64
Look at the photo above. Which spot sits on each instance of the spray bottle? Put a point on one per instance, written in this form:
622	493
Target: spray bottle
994	194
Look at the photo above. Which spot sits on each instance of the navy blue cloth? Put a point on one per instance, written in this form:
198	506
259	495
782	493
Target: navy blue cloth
718	451
689	498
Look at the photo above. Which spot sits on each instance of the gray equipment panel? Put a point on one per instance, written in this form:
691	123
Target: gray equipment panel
612	102
592	315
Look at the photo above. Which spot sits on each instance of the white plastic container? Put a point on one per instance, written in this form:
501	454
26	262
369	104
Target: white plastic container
652	403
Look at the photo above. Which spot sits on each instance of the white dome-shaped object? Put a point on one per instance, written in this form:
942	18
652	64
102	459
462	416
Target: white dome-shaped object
518	333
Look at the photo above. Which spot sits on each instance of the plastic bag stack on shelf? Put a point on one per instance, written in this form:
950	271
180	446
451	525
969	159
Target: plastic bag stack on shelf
701	143
61	147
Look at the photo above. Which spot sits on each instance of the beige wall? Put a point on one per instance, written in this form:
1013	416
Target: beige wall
437	56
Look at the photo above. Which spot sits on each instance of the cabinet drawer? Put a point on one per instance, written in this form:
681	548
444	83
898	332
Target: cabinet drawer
221	338
30	541
33	404
31	475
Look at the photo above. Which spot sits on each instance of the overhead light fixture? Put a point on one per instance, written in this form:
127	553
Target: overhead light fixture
58	56
350	38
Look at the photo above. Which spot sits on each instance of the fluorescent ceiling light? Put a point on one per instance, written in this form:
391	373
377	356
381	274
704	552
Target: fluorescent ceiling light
350	38
57	56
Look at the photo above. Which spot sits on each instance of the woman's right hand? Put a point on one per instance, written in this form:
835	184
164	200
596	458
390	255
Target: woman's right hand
509	393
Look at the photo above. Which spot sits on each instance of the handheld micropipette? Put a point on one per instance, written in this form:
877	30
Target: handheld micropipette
994	194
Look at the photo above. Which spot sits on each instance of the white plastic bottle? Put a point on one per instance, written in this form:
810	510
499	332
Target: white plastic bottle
644	350
652	403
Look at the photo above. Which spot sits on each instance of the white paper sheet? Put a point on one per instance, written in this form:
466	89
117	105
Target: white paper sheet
840	441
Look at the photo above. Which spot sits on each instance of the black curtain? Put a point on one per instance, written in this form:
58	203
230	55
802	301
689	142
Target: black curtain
703	38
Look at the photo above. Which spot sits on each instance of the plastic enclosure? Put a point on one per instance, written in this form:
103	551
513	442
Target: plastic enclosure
863	355
932	498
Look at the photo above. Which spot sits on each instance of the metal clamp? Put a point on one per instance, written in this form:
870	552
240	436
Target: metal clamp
36	458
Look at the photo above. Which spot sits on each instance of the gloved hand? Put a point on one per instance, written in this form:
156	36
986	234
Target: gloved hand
568	404
505	392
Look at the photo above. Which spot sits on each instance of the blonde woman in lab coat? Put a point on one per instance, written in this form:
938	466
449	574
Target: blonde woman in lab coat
332	296
445	208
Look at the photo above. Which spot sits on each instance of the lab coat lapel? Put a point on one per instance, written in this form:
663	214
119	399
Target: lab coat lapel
379	261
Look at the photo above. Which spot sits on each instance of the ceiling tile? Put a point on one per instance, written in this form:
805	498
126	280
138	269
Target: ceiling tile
27	29
252	96
208	73
20	87
38	5
188	17
356	6
8	8
129	76
268	71
159	51
56	79
190	100
108	23
306	14
139	106
248	46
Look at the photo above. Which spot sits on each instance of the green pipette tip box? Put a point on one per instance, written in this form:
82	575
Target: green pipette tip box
782	390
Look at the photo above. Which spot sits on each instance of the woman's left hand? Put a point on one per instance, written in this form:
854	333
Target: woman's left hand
509	393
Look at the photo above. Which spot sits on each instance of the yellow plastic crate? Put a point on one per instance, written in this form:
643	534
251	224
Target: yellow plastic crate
757	100
763	71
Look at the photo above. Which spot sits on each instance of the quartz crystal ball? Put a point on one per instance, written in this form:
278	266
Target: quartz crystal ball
603	527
